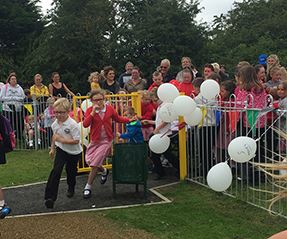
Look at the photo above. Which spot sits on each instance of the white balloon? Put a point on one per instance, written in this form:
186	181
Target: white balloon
85	105
209	89
219	177
194	118
167	112
242	149
167	92
158	143
184	105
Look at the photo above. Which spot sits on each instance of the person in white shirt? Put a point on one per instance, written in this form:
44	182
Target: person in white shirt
67	150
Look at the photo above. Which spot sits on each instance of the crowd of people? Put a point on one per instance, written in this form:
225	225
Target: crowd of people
267	77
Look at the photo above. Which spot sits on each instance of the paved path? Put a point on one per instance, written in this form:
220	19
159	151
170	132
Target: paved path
30	199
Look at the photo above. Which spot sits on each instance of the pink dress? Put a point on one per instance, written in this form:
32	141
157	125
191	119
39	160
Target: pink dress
97	152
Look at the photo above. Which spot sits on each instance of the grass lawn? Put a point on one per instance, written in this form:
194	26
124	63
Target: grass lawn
25	167
196	212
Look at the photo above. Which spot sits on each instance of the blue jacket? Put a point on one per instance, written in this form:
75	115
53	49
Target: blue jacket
133	132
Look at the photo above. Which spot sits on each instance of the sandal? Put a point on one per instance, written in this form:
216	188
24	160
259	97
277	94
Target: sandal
87	193
105	177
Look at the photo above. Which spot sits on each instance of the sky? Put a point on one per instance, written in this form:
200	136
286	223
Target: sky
211	8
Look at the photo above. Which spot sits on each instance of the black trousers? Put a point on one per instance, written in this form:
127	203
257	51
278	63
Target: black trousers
168	155
62	158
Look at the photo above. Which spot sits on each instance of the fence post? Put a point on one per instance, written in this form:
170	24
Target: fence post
136	102
182	151
35	113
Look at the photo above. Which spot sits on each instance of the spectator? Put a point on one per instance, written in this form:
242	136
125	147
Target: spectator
164	69
148	113
207	70
157	80
272	61
57	88
110	85
38	90
49	118
13	96
126	76
196	85
31	129
261	74
94	79
186	64
136	83
186	85
271	85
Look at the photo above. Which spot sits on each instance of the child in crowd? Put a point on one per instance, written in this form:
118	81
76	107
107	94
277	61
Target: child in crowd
49	118
196	85
275	80
186	85
94	80
157	80
99	117
282	122
133	129
148	113
66	145
31	130
226	130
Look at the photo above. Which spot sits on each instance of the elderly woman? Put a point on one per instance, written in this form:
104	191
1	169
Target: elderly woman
57	88
39	90
136	83
13	96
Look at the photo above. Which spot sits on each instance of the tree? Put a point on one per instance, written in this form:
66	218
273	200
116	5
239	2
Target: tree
20	23
251	28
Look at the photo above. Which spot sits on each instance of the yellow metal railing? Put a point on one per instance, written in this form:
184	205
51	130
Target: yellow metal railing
119	102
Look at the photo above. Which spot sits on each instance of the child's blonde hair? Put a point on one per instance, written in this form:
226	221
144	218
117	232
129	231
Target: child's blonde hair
50	100
145	94
93	75
62	103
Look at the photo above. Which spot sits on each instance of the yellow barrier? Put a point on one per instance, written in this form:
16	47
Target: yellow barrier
119	102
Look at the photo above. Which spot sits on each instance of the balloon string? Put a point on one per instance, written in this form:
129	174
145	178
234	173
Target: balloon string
268	127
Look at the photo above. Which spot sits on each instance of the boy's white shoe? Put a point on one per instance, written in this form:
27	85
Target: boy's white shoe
30	143
39	141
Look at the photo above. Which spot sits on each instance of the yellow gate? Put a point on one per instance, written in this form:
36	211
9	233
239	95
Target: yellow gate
119	102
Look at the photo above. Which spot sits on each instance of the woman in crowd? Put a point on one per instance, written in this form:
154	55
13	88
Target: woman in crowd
39	90
57	88
110	84
12	95
136	83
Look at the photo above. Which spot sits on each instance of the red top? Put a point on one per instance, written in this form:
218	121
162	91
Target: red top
97	123
153	85
147	112
186	87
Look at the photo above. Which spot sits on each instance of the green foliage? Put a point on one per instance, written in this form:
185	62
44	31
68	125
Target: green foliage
251	28
20	24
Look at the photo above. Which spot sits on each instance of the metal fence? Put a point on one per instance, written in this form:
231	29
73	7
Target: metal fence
207	146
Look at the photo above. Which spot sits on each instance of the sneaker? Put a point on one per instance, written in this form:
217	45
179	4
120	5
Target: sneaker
87	193
105	176
4	212
39	141
49	203
70	193
30	143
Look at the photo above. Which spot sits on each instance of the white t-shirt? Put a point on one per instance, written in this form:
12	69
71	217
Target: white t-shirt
69	130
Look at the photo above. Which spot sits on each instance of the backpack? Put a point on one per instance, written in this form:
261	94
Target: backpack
8	135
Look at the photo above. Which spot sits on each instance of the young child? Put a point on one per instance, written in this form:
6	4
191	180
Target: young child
94	80
31	129
133	129
196	85
225	129
99	117
186	85
282	122
148	113
157	80
66	145
49	118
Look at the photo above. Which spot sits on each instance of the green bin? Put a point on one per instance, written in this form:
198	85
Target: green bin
129	165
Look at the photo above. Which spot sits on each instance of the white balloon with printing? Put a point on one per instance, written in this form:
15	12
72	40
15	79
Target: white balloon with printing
86	104
159	143
184	105
167	112
219	177
209	89
242	149
194	118
167	92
